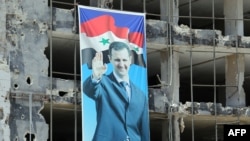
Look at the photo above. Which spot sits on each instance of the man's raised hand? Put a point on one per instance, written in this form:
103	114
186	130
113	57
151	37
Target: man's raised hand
98	67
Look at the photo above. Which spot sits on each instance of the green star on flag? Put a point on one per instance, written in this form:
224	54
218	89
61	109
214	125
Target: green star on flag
135	48
105	41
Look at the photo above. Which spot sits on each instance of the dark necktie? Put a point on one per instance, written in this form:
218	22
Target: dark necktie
126	88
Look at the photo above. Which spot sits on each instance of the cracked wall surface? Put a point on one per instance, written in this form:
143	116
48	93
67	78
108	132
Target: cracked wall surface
4	101
24	67
24	81
4	79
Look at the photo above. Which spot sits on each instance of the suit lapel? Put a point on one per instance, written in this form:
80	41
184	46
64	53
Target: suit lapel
118	88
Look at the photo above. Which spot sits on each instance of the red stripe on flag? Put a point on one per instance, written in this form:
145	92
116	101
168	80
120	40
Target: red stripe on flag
136	38
102	24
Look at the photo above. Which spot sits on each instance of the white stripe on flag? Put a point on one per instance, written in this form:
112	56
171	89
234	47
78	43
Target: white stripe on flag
99	43
102	42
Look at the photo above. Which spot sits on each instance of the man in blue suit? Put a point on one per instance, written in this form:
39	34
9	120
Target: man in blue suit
122	111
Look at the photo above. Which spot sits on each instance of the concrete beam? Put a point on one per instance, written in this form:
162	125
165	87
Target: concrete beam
233	11
157	33
235	70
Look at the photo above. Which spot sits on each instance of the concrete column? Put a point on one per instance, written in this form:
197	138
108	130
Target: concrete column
176	126
4	78
164	66
94	3
174	123
233	11
169	11
4	100
170	74
235	64
100	3
235	68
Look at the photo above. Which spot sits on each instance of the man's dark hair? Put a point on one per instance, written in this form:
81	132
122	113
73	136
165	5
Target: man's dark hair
119	46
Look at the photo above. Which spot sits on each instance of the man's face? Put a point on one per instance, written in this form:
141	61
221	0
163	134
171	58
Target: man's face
121	62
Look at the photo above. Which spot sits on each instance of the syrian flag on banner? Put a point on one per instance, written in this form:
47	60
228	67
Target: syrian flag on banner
100	27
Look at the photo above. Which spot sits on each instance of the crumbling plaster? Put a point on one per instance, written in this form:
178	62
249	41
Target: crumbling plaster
4	101
24	81
182	35
24	33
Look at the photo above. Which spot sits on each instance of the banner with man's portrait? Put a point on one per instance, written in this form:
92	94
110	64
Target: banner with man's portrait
113	50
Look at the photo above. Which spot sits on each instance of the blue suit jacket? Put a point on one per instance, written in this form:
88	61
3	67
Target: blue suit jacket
118	118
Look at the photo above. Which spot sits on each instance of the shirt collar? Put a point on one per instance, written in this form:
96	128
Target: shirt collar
119	79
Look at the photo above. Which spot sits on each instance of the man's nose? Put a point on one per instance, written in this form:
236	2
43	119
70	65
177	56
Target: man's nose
121	63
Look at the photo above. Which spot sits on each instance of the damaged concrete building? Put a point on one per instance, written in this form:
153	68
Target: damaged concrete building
198	71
